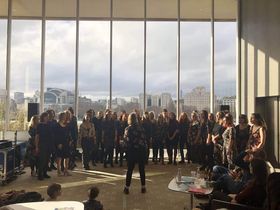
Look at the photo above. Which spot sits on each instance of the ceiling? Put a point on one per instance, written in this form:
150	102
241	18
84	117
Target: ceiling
122	9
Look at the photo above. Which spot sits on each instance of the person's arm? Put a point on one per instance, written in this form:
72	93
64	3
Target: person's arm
37	143
93	133
231	140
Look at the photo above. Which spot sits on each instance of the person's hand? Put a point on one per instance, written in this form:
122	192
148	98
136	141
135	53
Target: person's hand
59	146
232	195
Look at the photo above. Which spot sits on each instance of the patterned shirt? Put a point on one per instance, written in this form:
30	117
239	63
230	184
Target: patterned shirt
134	136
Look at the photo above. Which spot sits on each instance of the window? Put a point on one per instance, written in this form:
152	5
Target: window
25	70
128	39
195	66
94	66
161	66
60	65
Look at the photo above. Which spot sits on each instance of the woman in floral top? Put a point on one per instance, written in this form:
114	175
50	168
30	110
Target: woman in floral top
134	136
87	138
229	145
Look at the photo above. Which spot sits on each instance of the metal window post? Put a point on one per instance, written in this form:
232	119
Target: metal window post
145	55
43	42
238	63
178	58
111	52
8	67
212	72
77	58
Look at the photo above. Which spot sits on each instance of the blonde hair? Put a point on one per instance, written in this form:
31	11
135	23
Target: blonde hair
32	120
132	119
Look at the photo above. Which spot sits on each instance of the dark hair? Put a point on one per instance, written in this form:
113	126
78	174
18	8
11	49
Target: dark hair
93	192
259	172
220	114
244	117
52	189
182	120
43	115
71	110
204	114
164	110
260	121
228	119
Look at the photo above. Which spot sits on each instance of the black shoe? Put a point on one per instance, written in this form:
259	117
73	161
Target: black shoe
94	164
169	162
181	162
47	176
112	165
86	168
143	190
49	169
40	178
175	163
126	191
105	166
116	162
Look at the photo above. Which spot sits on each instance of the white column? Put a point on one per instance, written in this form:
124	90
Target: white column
212	72
111	52
43	41
238	63
178	56
145	55
76	108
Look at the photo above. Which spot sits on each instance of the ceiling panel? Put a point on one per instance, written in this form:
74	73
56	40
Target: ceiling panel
27	8
162	9
60	8
225	9
128	8
195	9
3	7
95	8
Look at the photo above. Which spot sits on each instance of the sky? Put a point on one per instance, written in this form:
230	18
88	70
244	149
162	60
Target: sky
128	55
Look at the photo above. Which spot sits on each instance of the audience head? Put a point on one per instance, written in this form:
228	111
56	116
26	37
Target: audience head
114	116
44	117
87	117
93	193
165	113
132	119
100	114
273	191
108	115
160	119
54	190
68	116
34	121
145	116
256	119
258	169
243	119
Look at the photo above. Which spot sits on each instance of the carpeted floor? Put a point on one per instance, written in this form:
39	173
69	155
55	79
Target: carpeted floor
110	182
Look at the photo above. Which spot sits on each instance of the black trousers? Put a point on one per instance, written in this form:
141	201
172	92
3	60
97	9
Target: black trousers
133	157
87	146
182	142
170	146
108	155
43	162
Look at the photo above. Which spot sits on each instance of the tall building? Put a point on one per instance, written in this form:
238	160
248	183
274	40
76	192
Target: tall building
198	98
165	100
19	97
231	102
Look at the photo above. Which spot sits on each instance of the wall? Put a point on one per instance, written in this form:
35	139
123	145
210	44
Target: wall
260	51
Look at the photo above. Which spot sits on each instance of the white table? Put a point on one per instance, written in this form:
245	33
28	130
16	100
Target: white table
48	205
185	187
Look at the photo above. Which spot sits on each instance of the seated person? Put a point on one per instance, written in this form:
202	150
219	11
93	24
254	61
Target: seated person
254	193
91	203
53	191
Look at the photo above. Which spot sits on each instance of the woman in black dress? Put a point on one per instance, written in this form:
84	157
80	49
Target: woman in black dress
172	140
242	133
136	151
43	148
184	124
62	142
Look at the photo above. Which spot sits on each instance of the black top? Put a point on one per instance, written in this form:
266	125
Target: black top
147	126
218	130
92	205
183	130
242	137
62	135
44	132
173	126
73	128
108	127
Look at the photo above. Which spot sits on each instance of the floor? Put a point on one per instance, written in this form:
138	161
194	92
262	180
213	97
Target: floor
110	182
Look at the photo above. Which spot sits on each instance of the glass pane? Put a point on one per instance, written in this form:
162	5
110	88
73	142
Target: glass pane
128	39
61	8
25	70
225	64
3	7
27	8
94	66
60	65
161	66
95	8
195	65
162	9
3	45
128	9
